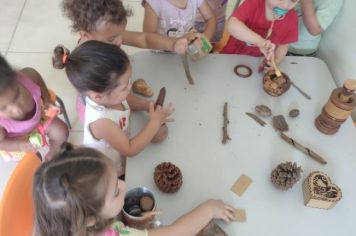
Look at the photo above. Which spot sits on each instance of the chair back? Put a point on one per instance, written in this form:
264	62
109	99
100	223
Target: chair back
16	206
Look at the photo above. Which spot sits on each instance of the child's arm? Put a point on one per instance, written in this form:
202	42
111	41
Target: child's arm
310	19
197	219
37	78
240	31
150	20
12	145
210	19
280	52
137	104
109	131
155	41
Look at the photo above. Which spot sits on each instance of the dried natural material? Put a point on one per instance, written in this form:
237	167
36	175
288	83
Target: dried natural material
294	113
186	68
304	149
161	97
263	111
146	203
279	123
141	87
226	136
256	118
285	175
276	85
168	177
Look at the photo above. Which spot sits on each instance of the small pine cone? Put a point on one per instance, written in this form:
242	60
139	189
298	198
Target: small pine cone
168	177
285	175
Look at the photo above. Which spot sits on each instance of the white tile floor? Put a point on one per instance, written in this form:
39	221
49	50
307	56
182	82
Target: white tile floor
30	29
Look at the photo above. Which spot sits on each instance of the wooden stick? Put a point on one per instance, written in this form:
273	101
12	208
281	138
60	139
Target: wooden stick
256	118
226	122
186	68
276	69
306	150
300	90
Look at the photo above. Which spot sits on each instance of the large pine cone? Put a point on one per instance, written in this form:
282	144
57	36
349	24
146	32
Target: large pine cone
285	175
168	177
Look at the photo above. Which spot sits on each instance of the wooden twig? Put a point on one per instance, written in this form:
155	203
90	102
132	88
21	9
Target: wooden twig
306	150
300	90
256	118
186	68
226	122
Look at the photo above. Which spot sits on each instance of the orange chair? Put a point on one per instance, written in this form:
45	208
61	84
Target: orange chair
16	206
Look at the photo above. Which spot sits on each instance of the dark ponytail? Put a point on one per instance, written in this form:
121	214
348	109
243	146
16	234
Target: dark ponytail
92	66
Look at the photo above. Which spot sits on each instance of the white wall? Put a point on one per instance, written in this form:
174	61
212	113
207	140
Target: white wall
338	46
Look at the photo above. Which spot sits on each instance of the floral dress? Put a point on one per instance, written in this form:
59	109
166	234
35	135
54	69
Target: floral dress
119	229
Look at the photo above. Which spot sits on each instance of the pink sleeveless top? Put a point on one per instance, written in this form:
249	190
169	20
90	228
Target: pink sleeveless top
15	128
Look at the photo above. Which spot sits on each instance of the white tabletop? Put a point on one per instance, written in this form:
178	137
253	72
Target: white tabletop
210	168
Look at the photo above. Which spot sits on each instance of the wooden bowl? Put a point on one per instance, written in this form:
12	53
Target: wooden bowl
276	86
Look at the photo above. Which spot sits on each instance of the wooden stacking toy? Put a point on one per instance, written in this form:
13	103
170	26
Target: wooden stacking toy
339	107
320	192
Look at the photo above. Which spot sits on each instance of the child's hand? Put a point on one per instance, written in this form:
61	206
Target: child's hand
181	45
267	49
162	115
265	66
221	210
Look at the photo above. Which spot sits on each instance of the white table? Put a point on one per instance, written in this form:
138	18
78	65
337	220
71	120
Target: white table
210	168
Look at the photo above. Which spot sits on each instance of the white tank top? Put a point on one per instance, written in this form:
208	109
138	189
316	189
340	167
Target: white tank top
94	112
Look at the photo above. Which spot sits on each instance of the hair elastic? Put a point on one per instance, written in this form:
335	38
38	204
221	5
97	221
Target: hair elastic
65	57
238	73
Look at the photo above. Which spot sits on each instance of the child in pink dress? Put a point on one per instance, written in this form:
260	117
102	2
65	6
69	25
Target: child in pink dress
21	96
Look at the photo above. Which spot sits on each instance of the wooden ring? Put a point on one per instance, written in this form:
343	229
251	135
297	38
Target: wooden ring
248	74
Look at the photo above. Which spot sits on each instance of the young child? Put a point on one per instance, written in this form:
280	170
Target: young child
175	18
106	21
78	193
262	27
219	9
102	72
315	16
21	94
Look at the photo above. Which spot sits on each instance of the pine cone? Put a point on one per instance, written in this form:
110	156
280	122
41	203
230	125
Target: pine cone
285	175
168	177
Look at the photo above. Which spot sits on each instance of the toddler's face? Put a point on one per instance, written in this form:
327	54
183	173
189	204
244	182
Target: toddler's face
15	103
108	33
115	196
283	4
122	90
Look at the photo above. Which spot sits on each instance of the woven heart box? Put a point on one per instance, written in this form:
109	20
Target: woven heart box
320	192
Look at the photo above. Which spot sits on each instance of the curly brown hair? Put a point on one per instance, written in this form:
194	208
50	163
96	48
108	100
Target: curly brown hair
85	14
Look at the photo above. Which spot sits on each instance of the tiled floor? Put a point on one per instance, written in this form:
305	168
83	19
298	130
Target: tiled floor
29	31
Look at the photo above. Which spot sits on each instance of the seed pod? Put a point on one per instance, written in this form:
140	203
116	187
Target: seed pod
161	97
